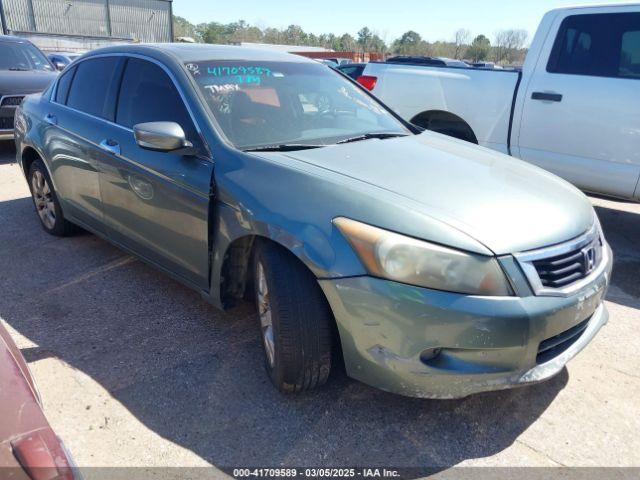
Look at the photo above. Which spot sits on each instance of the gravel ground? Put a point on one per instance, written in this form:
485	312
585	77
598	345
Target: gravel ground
137	370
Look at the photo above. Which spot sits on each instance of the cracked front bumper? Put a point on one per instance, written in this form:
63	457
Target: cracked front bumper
484	343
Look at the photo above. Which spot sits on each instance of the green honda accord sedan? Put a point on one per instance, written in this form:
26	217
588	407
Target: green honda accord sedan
435	267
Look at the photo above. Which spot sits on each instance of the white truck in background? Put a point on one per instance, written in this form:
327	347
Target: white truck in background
574	109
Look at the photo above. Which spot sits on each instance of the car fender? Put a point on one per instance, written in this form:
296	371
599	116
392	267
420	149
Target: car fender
293	204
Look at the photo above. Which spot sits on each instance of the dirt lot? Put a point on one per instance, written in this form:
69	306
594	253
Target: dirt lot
137	370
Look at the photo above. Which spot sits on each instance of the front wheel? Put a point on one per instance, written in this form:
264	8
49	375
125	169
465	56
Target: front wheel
296	322
46	202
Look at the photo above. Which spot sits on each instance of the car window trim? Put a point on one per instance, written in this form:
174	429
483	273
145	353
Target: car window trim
73	77
166	69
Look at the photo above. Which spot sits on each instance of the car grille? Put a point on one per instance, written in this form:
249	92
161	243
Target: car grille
562	269
565	269
11	101
554	346
6	123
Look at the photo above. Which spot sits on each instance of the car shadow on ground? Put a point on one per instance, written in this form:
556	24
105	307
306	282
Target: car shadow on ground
195	375
7	152
622	231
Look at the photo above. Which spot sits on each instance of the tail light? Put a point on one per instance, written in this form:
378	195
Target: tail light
367	81
43	456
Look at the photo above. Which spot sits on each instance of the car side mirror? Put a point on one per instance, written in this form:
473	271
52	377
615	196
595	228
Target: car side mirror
59	66
163	137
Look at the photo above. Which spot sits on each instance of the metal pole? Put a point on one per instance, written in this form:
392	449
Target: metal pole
108	8
3	20
32	16
172	39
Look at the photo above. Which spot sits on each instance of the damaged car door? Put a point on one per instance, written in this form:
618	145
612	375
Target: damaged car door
156	199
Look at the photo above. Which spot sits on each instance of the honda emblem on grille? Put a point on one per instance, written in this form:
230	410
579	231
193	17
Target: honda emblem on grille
589	259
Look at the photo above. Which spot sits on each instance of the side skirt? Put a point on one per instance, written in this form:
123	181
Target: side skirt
206	295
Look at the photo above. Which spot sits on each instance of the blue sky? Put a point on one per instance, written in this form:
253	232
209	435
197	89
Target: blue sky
433	19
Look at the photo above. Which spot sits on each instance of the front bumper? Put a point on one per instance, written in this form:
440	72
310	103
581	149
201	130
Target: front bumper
485	343
7	119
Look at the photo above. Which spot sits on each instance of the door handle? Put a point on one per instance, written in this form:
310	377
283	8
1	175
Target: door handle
110	146
546	96
51	119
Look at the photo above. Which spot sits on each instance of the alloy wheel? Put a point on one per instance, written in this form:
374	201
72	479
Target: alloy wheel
43	198
264	312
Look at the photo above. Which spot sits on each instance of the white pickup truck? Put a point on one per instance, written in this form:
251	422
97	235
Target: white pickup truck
573	110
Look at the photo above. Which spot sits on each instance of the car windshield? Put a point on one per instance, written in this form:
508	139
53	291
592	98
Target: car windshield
21	56
269	104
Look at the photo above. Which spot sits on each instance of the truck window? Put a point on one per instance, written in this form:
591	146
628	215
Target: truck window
601	45
630	55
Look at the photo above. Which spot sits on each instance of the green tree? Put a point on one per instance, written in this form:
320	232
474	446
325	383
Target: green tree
480	49
241	31
410	43
443	49
183	28
364	38
213	32
377	44
347	43
294	35
272	35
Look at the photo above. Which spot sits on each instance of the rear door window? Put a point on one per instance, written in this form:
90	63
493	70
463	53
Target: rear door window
602	45
92	87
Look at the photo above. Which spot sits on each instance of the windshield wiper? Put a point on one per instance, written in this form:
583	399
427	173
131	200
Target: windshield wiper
369	136
18	69
285	147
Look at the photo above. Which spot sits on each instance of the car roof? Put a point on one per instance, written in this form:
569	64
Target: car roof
11	38
194	52
621	4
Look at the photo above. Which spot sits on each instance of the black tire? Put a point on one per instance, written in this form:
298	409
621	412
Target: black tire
301	319
56	224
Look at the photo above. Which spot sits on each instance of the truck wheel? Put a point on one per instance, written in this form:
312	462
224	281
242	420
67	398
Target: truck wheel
295	320
46	202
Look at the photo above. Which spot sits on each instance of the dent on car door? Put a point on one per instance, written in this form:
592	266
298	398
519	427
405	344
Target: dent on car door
580	117
156	203
73	120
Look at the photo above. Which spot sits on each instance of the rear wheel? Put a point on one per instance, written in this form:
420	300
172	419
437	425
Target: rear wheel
295	320
447	124
46	202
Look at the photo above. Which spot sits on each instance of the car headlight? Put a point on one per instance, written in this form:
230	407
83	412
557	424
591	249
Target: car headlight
415	262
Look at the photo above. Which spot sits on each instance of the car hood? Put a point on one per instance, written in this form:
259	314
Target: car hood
17	83
507	205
